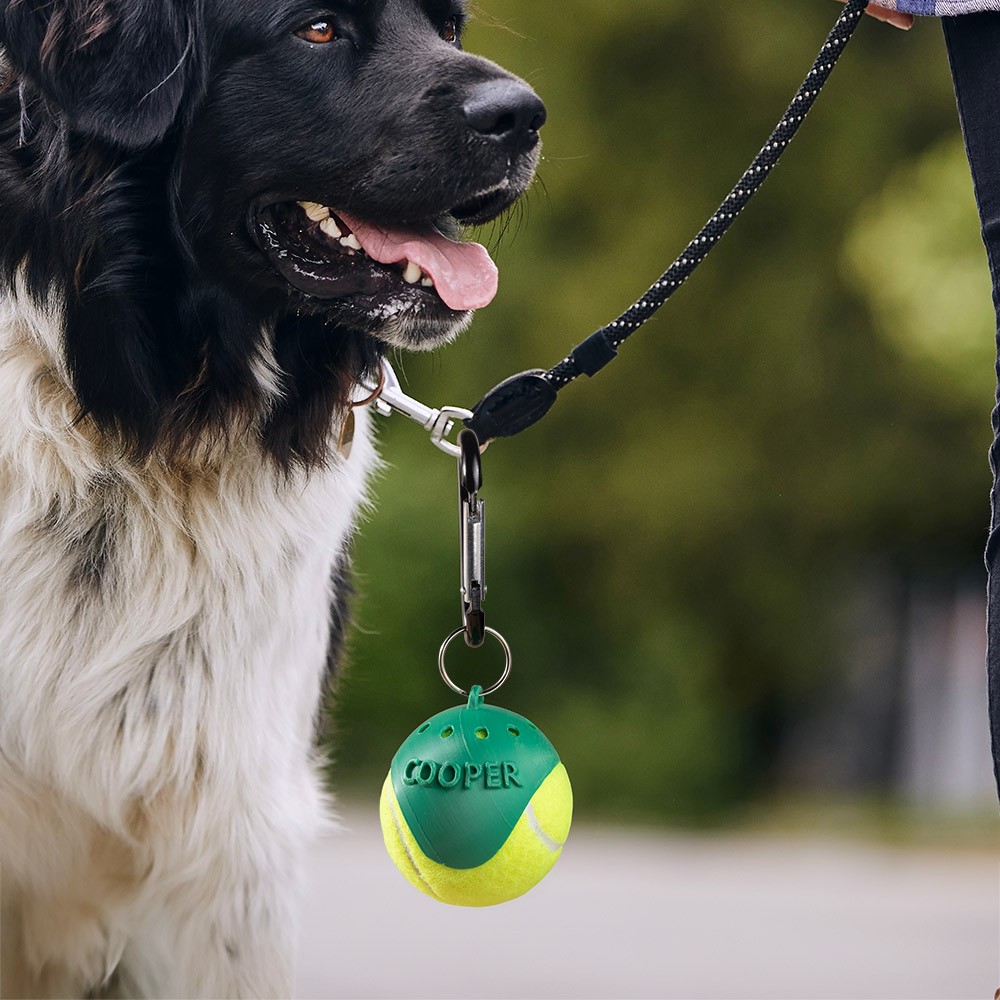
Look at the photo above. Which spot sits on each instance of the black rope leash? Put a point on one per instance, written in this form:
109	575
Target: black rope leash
521	400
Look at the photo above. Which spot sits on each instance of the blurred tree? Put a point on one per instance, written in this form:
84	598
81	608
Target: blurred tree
926	283
666	547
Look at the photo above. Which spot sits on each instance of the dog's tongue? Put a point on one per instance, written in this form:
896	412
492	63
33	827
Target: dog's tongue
464	275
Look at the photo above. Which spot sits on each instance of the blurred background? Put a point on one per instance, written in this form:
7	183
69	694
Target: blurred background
746	557
741	569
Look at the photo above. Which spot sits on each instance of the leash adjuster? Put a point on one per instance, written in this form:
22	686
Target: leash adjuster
513	405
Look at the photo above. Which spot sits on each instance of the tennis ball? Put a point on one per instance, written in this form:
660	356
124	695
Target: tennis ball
476	806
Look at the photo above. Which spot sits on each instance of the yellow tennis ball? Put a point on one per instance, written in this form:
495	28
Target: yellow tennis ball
526	857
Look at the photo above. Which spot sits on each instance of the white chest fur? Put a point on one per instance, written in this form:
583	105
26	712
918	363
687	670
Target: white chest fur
157	625
164	632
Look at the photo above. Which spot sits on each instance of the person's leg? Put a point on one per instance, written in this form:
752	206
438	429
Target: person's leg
974	52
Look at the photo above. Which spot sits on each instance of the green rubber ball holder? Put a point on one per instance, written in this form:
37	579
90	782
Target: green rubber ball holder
464	778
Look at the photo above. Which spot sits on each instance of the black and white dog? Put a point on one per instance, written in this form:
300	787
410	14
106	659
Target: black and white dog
214	216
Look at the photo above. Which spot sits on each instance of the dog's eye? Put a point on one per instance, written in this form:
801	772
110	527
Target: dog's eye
449	31
318	32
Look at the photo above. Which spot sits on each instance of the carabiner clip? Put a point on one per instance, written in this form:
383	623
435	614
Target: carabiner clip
472	530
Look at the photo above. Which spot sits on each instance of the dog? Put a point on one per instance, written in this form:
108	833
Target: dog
215	217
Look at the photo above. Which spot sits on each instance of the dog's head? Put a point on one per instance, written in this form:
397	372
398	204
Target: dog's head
241	203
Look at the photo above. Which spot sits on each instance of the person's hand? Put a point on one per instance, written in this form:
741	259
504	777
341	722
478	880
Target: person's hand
893	17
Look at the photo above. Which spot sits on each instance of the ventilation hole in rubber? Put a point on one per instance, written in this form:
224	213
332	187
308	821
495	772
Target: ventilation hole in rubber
447	731
482	733
513	730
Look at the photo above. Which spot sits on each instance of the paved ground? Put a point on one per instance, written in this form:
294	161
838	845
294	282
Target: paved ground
637	915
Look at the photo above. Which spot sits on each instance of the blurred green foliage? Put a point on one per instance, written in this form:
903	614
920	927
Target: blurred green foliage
666	548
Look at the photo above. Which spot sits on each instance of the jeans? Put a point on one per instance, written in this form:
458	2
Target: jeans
974	52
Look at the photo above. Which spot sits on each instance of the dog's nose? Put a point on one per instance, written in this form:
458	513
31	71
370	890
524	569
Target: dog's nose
508	112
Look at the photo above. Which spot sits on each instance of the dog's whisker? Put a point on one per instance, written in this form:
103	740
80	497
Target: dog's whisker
174	71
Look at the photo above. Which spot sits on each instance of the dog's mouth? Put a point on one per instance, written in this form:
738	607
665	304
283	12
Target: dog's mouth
327	254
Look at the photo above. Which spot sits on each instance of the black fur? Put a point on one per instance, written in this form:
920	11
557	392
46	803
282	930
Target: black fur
342	589
141	141
82	56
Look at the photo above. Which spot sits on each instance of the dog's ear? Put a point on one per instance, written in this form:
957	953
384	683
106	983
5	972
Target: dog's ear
118	69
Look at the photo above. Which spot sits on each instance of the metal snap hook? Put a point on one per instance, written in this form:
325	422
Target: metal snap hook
472	537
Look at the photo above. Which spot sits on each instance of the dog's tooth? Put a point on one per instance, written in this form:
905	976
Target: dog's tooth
315	212
427	282
351	242
330	227
412	273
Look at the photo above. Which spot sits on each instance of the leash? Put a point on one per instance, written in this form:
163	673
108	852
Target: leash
501	762
523	399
